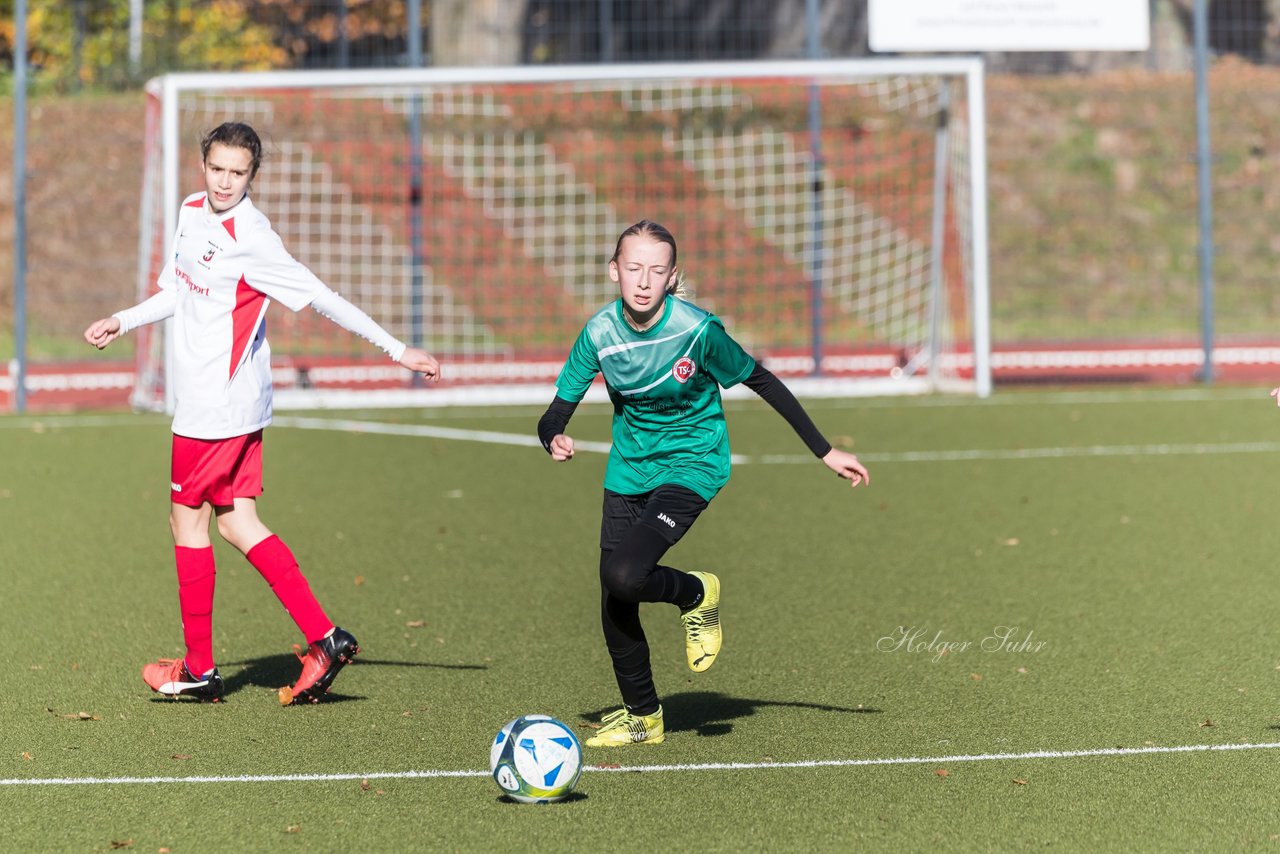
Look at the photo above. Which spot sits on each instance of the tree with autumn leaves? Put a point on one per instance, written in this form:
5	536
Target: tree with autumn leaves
85	43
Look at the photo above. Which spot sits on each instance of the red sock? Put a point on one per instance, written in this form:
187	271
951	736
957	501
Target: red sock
272	558
195	597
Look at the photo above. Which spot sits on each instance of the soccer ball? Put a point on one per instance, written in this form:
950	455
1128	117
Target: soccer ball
535	759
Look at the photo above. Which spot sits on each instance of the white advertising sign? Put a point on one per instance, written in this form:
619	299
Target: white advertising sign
1008	25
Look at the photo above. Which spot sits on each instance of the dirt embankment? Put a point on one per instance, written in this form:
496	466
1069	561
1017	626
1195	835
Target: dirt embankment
84	180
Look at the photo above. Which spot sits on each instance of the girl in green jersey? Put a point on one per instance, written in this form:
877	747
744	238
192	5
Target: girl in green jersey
664	361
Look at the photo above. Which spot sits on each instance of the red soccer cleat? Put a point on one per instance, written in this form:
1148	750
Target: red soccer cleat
169	676
320	665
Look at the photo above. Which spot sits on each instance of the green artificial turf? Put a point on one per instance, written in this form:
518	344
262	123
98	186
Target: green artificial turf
1121	543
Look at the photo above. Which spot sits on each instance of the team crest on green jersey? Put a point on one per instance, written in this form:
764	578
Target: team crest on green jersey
683	369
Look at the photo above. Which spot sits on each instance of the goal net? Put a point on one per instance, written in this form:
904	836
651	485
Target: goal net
831	213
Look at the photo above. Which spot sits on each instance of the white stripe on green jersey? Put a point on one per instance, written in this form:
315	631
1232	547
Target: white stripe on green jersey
668	421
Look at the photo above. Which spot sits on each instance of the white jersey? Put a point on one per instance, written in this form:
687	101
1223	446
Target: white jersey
222	273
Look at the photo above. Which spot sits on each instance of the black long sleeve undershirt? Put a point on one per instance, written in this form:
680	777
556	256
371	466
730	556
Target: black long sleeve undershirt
775	393
554	420
762	381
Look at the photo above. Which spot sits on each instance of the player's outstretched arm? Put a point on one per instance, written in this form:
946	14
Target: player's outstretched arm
847	466
421	362
774	392
102	332
156	307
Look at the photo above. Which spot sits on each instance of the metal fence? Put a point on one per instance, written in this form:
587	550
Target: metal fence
1092	156
120	43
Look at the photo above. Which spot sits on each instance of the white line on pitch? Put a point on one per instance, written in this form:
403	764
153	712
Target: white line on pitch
57	422
1054	398
1164	450
493	437
644	769
243	778
936	760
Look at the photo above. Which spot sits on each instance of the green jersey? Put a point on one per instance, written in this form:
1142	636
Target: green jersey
668	421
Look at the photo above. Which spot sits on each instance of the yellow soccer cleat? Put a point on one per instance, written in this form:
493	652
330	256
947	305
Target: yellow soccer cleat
702	634
620	728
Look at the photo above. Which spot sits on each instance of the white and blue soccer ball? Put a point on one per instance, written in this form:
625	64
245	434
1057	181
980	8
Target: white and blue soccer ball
535	759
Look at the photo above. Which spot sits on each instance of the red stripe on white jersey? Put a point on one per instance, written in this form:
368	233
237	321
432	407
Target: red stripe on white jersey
244	322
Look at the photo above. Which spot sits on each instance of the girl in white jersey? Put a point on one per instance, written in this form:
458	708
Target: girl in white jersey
664	361
224	268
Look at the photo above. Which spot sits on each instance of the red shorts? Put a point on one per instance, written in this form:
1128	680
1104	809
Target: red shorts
218	470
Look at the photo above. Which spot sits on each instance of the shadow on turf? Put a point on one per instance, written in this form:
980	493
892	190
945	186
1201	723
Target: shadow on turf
712	713
272	671
572	797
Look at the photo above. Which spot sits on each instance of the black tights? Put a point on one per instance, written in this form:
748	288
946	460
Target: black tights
630	574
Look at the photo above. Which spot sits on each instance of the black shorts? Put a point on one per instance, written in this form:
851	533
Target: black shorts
669	510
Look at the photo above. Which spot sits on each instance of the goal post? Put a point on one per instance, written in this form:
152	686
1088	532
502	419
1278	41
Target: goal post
832	213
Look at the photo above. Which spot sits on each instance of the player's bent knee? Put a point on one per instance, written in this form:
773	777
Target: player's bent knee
189	525
624	577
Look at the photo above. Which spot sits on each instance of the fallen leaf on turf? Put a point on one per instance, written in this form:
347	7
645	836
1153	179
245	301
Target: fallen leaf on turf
122	843
26	757
181	756
589	725
293	828
380	792
359	580
1019	782
1206	722
364	785
943	772
416	624
406	714
976	677
1012	541
75	665
82	716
